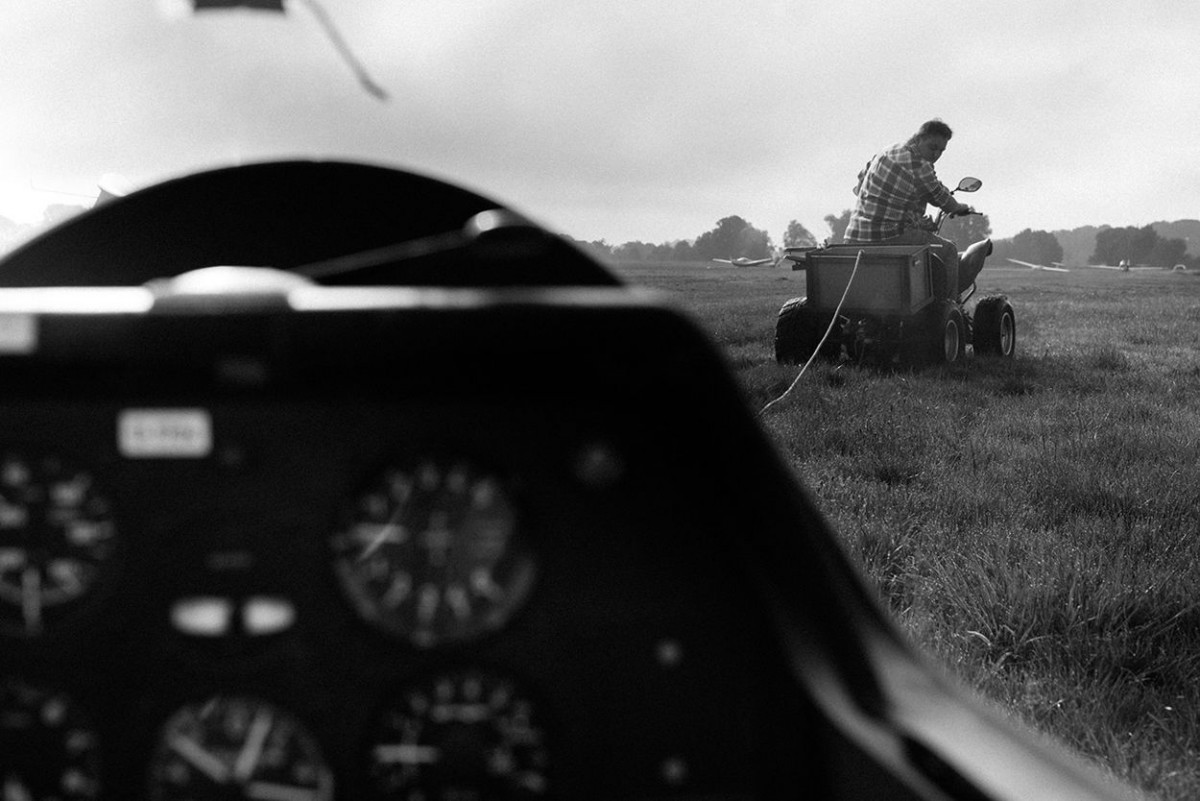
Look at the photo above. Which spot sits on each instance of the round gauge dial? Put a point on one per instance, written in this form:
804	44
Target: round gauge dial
57	537
48	749
432	553
237	747
467	734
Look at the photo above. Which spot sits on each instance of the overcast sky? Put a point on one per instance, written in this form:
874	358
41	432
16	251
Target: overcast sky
623	119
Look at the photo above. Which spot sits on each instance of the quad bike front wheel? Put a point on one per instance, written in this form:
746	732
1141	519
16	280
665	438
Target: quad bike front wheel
995	327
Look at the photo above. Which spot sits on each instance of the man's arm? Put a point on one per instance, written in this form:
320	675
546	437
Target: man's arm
935	192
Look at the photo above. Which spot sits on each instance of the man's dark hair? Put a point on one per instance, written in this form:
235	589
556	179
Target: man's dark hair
934	127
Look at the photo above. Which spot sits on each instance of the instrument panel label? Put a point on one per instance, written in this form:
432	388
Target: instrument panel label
165	433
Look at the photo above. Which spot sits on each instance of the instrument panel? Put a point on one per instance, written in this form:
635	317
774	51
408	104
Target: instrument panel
411	598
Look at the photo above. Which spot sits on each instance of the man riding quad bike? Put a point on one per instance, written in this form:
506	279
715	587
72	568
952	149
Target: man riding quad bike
905	296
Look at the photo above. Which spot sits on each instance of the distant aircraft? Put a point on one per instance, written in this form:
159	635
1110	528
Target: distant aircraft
742	261
111	186
1058	269
1124	266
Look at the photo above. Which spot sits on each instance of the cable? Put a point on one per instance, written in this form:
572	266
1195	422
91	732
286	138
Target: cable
820	344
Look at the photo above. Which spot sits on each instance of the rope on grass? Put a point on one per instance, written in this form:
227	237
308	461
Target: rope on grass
820	344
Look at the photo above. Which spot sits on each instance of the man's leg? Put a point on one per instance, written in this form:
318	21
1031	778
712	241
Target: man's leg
949	256
970	262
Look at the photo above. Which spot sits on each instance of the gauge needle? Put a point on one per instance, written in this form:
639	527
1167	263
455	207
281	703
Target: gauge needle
391	531
31	598
200	759
267	791
247	760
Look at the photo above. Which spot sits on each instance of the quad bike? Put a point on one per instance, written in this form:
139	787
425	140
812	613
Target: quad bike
892	303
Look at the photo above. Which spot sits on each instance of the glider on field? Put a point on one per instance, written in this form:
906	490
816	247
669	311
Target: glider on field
1032	266
742	261
1124	266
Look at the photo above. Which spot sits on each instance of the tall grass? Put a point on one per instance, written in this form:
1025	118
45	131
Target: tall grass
1033	524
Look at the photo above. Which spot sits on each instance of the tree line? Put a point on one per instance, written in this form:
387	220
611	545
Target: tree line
733	237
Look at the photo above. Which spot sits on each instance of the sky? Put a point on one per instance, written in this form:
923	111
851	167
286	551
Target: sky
621	120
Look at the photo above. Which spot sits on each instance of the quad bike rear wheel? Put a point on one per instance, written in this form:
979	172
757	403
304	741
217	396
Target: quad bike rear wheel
943	340
798	331
953	336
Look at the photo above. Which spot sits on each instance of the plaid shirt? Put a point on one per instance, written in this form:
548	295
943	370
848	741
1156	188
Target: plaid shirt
893	190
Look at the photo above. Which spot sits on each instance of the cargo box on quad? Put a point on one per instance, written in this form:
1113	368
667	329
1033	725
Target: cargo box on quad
897	307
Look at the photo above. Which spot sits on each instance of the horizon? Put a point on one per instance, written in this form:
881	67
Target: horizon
17	232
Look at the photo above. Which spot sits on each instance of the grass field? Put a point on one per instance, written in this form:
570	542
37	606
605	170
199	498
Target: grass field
1034	524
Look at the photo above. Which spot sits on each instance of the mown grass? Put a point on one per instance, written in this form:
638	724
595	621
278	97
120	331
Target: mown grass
1033	524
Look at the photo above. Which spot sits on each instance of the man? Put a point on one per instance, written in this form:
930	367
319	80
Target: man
893	190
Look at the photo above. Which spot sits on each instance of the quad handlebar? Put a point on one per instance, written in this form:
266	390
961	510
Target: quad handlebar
967	184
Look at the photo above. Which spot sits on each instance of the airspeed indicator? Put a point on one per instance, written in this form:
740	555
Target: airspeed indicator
431	552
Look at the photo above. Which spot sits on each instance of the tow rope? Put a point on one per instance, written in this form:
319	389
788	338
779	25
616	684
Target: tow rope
820	344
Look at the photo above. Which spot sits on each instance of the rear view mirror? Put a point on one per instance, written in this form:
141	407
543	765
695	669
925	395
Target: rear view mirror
969	185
